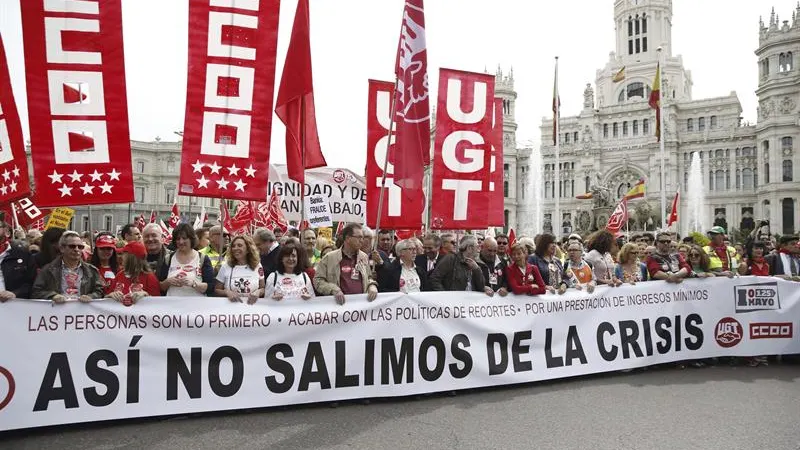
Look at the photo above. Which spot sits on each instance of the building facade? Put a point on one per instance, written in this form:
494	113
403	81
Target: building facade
748	171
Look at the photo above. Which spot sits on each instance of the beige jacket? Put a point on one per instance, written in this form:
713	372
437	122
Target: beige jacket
326	277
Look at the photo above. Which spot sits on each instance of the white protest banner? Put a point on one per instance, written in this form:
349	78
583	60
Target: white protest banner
344	190
88	362
318	211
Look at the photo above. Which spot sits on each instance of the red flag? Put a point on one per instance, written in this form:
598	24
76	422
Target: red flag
412	112
229	95
175	215
245	215
673	216
295	105
402	208
460	194
153	216
24	212
512	239
59	51
14	183
224	216
166	233
140	223
72	95
619	217
339	228
274	213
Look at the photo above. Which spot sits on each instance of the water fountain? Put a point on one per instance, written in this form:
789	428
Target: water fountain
696	196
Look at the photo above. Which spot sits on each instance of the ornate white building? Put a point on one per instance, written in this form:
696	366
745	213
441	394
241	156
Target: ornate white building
748	170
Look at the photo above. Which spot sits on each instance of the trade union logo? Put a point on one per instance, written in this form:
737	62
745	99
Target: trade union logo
729	332
7	387
771	330
339	176
757	297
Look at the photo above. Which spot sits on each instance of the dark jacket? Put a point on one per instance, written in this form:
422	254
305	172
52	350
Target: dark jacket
452	274
19	271
270	261
421	261
776	265
494	272
48	282
544	269
389	277
159	260
206	273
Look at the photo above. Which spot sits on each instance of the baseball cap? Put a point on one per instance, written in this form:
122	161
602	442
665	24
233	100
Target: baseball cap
716	230
105	241
136	249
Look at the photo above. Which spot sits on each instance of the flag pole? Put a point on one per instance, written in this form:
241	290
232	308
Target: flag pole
557	188
386	163
661	141
303	161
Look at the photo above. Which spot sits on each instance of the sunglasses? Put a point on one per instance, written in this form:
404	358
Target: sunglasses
663	242
694	255
75	246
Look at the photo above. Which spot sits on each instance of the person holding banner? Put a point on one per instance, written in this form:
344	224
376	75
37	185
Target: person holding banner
346	271
550	267
460	271
601	245
135	281
17	268
402	275
431	244
68	277
494	268
187	272
289	280
523	277
578	272
104	257
157	252
663	265
754	263
629	269
241	276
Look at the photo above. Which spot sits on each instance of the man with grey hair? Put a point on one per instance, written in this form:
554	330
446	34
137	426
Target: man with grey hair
157	252
460	271
448	243
268	249
68	277
494	269
431	245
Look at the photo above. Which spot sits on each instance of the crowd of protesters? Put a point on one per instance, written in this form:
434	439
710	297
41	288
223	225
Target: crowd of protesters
273	265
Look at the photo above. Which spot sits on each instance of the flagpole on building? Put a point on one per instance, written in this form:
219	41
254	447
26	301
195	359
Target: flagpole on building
661	141
556	221
386	163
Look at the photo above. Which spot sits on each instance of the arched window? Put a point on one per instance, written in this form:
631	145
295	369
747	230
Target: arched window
786	143
738	179
766	172
635	127
616	129
505	219
630	26
646	127
690	124
719	180
788	172
586	183
644	25
625	128
637	25
747	151
605	130
747	179
546	189
718	153
635	90
713	122
701	124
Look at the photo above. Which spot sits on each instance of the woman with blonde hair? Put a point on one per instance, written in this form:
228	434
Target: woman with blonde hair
630	269
242	275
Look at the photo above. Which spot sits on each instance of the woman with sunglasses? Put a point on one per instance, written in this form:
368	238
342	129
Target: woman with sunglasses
104	257
699	262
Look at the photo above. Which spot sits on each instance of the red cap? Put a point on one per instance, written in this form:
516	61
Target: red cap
105	241
135	248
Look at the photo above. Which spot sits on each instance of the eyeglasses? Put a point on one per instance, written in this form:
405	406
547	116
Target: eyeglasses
663	242
502	243
694	255
75	246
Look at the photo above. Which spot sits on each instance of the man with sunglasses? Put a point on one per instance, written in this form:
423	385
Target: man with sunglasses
68	277
666	265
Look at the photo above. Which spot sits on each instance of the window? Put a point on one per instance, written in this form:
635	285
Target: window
635	90
785	62
637	25
630	47
713	122
766	172
738	179
616	129
718	154
546	189
505	188
689	124
787	207
747	179
638	46
505	219
788	174
747	151
575	137
701	124
644	44
586	184
169	195
625	128
605	131
646	127
171	165
786	144
108	222
644	24
139	194
85	222
566	138
765	68
719	180
635	127
630	27
139	166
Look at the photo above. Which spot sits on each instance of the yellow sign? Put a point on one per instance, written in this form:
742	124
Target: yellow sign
325	232
60	218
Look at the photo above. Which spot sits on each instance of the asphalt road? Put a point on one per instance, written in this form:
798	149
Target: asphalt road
725	408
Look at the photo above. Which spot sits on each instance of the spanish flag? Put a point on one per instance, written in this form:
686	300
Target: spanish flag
620	76
637	191
655	100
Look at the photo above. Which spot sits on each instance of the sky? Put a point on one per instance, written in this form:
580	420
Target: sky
355	40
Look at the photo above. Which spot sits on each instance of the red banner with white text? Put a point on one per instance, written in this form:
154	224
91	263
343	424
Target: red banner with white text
77	103
496	209
402	208
462	151
14	183
228	120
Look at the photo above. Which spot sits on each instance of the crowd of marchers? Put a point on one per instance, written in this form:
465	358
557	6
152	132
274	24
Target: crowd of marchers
273	265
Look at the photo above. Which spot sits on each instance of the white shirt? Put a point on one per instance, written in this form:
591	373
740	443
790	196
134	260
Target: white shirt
291	285
240	279
409	280
191	270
